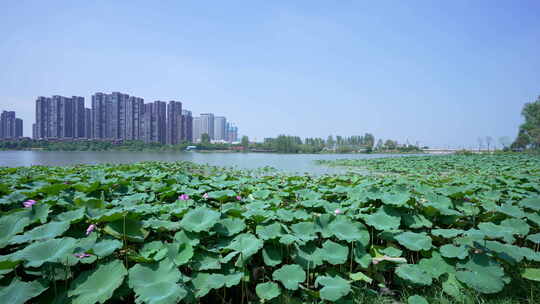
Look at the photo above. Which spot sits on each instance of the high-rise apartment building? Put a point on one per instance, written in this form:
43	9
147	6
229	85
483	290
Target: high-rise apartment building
187	126
159	121
232	133
220	131
174	123
207	124
99	117
78	117
18	128
196	129
59	117
134	117
8	125
88	123
146	123
116	115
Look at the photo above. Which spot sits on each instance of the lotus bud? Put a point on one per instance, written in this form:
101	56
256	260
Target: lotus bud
205	196
29	203
238	198
337	211
90	229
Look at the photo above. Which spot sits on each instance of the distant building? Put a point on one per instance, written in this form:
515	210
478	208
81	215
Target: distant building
8	125
88	123
78	117
174	123
59	117
18	128
220	131
134	117
99	117
187	126
146	123
196	129
207	124
232	133
160	122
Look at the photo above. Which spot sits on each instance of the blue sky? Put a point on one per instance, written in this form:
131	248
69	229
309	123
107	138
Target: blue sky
439	72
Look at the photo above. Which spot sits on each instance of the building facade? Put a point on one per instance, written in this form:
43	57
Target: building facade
220	131
196	129
174	123
8	125
207	125
187	126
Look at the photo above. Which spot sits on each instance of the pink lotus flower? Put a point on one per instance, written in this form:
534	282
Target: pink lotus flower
238	197
29	203
82	255
90	229
337	211
205	196
183	197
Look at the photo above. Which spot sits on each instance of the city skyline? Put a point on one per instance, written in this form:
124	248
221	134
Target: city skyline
120	116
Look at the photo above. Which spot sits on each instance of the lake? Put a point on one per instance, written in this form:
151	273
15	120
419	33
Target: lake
293	163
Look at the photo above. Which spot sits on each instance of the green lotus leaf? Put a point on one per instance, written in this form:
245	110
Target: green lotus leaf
359	276
438	201
233	279
416	221
452	286
447	233
416	299
510	253
222	194
53	250
10	225
200	219
267	291
535	238
106	247
392	252
155	250
19	292
179	253
272	255
261	194
482	273
98	285
14	197
290	276
414	274
230	226
40	233
269	232
156	283
497	232
534	217
395	199
305	231
161	224
204	282
451	251
128	228
518	226
532	274
308	256
361	256
383	219
511	210
334	288
414	241
72	216
334	253
346	230
247	244
436	265
531	202
187	237
481	282
206	261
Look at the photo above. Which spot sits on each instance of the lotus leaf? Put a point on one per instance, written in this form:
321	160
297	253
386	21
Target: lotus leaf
414	274
334	253
416	299
106	247
451	251
180	253
271	255
155	250
267	291
531	202
348	231
43	232
156	284
53	250
532	274
98	285
127	228
230	226
204	282
383	219
290	276
446	233
269	232
334	288
414	241
19	292
436	265
247	244
200	219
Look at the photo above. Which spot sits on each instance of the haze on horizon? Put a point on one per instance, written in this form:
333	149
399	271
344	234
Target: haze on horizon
441	73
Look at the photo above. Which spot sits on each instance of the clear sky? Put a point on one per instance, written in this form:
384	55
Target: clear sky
439	72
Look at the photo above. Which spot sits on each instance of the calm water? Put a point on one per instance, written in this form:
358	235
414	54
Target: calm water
294	163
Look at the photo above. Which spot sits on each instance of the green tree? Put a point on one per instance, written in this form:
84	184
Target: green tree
245	142
205	138
529	131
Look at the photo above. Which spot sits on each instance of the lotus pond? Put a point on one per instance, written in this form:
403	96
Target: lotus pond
450	228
